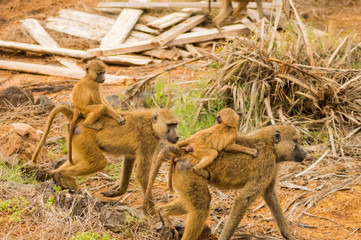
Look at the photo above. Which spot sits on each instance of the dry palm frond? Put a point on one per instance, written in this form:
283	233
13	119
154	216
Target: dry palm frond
282	86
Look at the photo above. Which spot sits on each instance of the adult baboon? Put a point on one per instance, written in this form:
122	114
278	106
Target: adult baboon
253	177
89	102
137	141
226	9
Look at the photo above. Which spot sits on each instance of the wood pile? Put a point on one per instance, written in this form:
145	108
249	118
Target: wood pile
174	36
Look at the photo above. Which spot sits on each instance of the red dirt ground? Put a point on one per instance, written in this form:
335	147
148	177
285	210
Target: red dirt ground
337	216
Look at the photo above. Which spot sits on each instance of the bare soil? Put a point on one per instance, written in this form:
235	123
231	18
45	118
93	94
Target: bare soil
336	216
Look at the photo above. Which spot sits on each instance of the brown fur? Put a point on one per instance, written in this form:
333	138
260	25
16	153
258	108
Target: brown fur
253	177
137	141
205	144
89	102
226	9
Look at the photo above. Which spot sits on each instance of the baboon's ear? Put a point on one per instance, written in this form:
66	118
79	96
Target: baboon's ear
240	116
277	137
219	119
86	69
155	117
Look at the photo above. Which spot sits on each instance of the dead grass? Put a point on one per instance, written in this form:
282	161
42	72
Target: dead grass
277	84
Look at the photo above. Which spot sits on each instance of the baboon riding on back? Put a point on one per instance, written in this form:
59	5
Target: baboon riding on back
253	176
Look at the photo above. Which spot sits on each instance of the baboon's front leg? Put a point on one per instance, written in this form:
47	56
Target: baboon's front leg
272	201
111	113
119	190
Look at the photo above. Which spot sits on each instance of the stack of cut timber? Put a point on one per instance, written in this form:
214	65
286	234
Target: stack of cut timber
169	37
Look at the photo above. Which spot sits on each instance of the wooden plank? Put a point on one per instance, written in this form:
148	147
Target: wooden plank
193	37
141	35
131	40
193	50
146	29
129	60
53	71
171	54
46	50
96	21
183	27
75	28
69	63
149	19
122	27
170	5
170	19
38	33
183	53
199	29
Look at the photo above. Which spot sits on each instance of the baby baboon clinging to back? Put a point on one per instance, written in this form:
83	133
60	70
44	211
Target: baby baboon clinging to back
206	143
89	102
253	177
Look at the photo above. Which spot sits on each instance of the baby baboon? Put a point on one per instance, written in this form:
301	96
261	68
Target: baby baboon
205	144
89	101
253	177
137	141
226	9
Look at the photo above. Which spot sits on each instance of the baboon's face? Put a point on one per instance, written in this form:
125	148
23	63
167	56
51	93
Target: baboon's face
228	117
96	71
287	145
165	125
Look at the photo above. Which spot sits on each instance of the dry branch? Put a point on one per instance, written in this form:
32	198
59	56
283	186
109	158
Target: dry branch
304	34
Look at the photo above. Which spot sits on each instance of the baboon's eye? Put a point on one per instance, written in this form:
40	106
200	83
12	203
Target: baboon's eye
219	120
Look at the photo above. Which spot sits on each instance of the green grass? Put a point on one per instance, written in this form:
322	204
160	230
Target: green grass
15	174
14	207
91	236
184	104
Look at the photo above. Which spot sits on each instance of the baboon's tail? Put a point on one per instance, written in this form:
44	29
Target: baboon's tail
68	113
175	151
161	157
71	133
